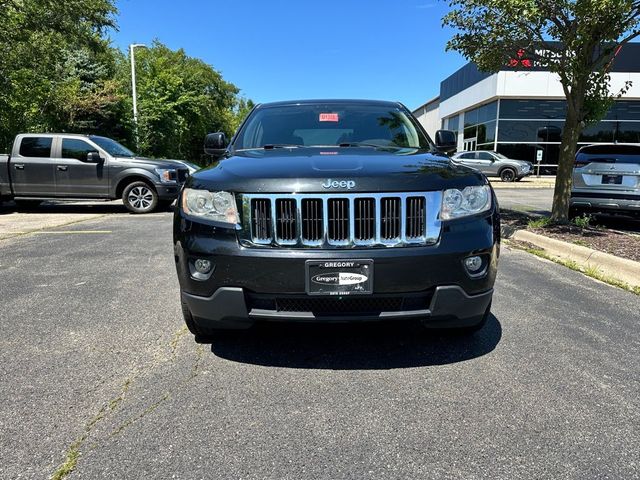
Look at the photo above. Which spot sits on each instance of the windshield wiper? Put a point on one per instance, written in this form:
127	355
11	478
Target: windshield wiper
281	145
363	144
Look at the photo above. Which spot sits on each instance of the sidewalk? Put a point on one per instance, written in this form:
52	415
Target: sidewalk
545	181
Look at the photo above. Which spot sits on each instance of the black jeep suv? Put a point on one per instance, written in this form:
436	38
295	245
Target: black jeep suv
335	210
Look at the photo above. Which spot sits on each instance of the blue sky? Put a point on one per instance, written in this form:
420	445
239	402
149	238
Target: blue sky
288	49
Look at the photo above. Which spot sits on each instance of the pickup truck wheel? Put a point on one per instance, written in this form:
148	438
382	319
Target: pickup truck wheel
508	175
140	197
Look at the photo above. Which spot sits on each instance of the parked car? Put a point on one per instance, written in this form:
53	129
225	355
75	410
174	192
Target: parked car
46	166
335	211
606	180
494	164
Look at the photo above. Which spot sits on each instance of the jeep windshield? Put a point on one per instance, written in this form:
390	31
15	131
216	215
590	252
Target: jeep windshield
331	125
112	147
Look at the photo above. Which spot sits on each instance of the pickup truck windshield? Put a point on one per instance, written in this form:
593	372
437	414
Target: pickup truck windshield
330	125
112	147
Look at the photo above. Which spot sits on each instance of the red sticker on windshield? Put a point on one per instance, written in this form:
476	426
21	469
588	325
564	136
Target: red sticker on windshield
329	117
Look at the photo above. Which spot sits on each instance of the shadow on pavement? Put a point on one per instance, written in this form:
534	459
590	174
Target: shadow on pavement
69	207
367	346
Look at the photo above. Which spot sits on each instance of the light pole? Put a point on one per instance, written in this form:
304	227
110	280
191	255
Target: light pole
132	48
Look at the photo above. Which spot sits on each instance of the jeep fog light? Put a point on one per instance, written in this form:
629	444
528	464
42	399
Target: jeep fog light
473	264
202	266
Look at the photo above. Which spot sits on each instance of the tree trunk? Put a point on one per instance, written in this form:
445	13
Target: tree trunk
564	178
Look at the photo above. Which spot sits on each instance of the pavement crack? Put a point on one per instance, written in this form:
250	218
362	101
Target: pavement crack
73	452
173	344
140	416
195	370
196	365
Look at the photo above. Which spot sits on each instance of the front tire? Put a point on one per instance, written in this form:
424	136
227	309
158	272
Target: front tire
508	175
140	197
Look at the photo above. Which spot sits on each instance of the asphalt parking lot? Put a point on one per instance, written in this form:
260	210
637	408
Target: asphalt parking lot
98	370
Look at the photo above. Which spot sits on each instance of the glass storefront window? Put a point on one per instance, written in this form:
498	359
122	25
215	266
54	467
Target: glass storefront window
488	112
529	152
600	132
486	132
533	109
471	117
485	113
529	131
486	146
624	110
470	132
628	132
454	123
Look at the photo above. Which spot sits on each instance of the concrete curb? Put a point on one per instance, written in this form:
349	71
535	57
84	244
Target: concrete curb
617	268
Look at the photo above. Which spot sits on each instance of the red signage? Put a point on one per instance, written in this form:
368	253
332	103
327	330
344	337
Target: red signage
520	61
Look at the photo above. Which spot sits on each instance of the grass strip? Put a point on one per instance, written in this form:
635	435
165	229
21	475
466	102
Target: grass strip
588	270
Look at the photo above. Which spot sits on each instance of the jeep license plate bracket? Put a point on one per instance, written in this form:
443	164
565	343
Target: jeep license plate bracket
339	277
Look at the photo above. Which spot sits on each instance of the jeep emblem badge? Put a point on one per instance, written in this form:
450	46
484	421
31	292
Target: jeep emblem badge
348	184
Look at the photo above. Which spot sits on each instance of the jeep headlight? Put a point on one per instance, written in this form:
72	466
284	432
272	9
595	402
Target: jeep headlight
462	203
167	175
218	206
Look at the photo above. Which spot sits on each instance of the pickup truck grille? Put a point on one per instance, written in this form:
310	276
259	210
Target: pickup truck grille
340	220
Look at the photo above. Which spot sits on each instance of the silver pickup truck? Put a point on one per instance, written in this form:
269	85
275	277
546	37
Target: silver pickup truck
47	166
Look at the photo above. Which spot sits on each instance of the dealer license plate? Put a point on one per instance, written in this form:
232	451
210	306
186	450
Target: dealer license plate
612	179
339	277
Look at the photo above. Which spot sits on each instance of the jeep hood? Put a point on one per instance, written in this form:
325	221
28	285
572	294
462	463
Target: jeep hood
293	170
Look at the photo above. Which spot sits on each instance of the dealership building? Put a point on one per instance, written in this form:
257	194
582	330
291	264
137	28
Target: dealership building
520	110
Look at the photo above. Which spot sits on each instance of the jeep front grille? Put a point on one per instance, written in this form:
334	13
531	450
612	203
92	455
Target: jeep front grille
261	218
365	228
415	217
340	220
286	219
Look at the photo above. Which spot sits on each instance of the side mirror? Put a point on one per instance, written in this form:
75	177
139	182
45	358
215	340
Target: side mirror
215	144
446	141
94	157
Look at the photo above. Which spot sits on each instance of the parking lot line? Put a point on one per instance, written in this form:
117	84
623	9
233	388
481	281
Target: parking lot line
72	232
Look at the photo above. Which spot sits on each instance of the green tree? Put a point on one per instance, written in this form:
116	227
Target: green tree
576	39
243	109
180	100
37	43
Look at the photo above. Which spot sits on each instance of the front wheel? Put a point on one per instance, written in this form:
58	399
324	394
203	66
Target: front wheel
140	197
508	175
